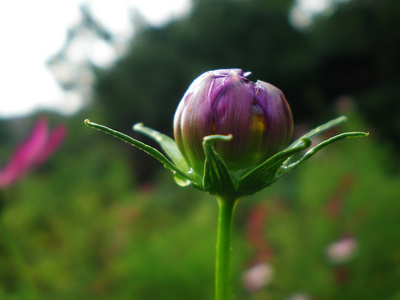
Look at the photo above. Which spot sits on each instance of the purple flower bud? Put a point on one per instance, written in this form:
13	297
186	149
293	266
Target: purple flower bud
226	102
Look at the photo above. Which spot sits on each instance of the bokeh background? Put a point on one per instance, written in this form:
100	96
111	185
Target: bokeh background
101	220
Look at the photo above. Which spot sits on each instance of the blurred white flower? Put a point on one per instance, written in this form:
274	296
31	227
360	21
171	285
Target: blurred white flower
299	296
257	277
342	250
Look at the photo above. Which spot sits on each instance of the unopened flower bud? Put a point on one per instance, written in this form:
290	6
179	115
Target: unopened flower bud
226	102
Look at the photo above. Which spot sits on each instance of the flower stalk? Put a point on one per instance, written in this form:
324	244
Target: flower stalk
226	209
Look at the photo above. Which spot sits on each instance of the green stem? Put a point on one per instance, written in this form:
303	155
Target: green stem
226	207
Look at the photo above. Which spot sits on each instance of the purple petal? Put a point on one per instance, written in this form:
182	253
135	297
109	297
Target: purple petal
279	121
233	115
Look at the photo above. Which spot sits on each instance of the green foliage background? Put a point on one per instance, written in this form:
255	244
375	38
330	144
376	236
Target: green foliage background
101	221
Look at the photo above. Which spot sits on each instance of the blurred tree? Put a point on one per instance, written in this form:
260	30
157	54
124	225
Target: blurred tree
357	51
350	49
73	65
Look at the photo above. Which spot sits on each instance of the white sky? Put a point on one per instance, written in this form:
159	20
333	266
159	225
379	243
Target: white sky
31	31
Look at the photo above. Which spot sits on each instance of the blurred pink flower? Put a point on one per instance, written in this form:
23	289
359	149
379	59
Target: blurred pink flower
256	233
32	152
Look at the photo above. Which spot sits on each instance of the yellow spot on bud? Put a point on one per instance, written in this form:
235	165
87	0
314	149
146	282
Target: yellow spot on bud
258	124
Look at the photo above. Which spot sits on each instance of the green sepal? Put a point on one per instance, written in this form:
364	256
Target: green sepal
167	144
287	166
142	146
264	174
216	178
318	130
